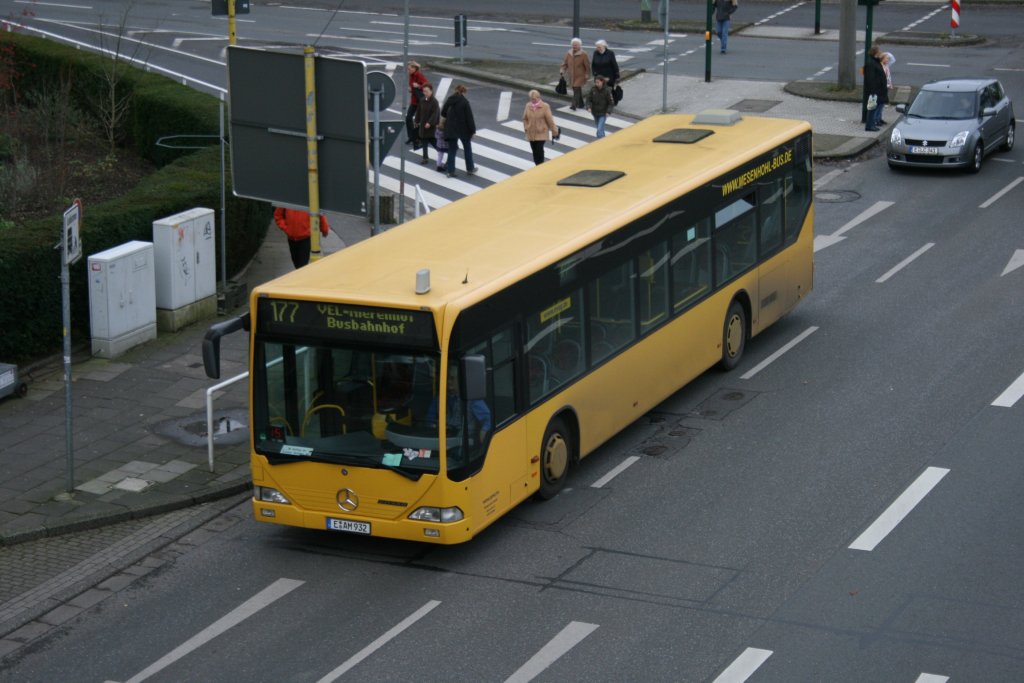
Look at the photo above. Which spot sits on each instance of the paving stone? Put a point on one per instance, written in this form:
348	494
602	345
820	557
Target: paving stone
28	632
138	466
118	582
89	598
60	615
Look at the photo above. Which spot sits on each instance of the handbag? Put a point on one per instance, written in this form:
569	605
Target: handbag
617	94
562	88
872	102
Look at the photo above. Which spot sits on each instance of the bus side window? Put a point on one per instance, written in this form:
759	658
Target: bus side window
797	191
770	203
610	299
735	238
691	265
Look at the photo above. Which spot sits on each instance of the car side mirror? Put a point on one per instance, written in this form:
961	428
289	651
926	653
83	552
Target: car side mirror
988	111
901	108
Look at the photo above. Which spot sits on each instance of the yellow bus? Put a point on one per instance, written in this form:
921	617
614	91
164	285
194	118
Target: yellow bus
421	383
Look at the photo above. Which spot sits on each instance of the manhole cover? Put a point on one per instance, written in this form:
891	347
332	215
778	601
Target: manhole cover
755	106
836	196
230	427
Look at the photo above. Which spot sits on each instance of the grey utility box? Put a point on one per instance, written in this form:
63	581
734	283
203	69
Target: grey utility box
122	300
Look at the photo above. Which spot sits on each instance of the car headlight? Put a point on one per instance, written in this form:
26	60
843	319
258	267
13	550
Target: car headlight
266	494
896	137
960	139
432	514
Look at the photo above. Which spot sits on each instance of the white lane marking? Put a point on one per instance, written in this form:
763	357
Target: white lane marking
497	155
905	262
1016	261
50	4
380	642
935	66
1011	395
434	201
744	665
823	180
775	356
566	140
504	104
110	53
265	597
178	41
925	18
518	143
998	195
619	469
822	241
566	639
778	14
426	172
899	509
931	678
441	91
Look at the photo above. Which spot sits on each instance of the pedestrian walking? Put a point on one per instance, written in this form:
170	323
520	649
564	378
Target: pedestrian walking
295	224
603	63
459	126
874	85
427	116
723	12
600	103
538	123
576	70
416	81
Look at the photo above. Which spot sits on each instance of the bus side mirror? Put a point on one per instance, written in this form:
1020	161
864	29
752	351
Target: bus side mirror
211	342
474	371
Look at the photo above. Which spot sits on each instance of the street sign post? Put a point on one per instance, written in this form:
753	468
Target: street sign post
267	95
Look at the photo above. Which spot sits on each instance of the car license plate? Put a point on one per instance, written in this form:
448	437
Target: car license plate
348	525
924	150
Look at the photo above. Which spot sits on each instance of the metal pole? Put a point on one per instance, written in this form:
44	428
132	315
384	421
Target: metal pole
231	22
65	295
867	56
223	209
312	162
707	40
817	17
575	18
405	107
664	71
376	94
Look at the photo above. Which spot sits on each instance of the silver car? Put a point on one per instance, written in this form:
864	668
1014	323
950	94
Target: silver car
953	123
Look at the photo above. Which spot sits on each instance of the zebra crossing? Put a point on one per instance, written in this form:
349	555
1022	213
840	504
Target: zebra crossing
500	150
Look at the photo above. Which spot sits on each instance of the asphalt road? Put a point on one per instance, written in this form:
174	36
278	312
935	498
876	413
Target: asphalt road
848	511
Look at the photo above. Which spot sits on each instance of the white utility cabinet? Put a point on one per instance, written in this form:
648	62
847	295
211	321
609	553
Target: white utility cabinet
122	298
186	268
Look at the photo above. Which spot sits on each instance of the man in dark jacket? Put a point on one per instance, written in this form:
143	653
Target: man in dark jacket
723	12
459	126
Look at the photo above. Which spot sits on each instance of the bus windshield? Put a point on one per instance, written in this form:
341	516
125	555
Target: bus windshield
348	405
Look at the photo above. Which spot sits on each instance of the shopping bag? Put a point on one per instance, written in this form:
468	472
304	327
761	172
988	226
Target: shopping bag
562	88
617	94
872	102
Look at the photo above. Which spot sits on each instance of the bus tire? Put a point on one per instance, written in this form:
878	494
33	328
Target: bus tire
555	456
734	335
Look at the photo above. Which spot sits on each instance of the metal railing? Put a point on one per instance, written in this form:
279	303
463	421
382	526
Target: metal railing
209	412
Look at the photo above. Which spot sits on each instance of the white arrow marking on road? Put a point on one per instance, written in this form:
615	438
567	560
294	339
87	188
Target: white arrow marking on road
822	241
566	639
1016	261
931	678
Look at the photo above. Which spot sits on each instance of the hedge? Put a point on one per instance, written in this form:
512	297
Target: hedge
30	307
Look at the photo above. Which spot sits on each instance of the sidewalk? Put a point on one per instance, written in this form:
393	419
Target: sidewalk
139	421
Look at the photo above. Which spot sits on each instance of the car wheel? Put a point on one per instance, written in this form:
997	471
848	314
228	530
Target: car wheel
555	455
734	336
976	157
1008	144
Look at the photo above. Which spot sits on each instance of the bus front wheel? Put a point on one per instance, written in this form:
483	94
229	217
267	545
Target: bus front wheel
555	456
734	335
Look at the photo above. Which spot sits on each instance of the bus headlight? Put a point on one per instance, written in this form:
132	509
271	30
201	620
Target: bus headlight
431	514
268	495
960	139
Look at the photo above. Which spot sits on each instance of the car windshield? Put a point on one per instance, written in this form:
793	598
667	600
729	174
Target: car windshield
346	405
935	104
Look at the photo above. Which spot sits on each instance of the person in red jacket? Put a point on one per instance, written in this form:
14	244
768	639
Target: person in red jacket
416	82
295	224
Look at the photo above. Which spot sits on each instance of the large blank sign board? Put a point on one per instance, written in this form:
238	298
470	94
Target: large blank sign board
266	93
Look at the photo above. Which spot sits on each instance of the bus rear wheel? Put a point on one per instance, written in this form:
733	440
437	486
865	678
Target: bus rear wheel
734	336
555	456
